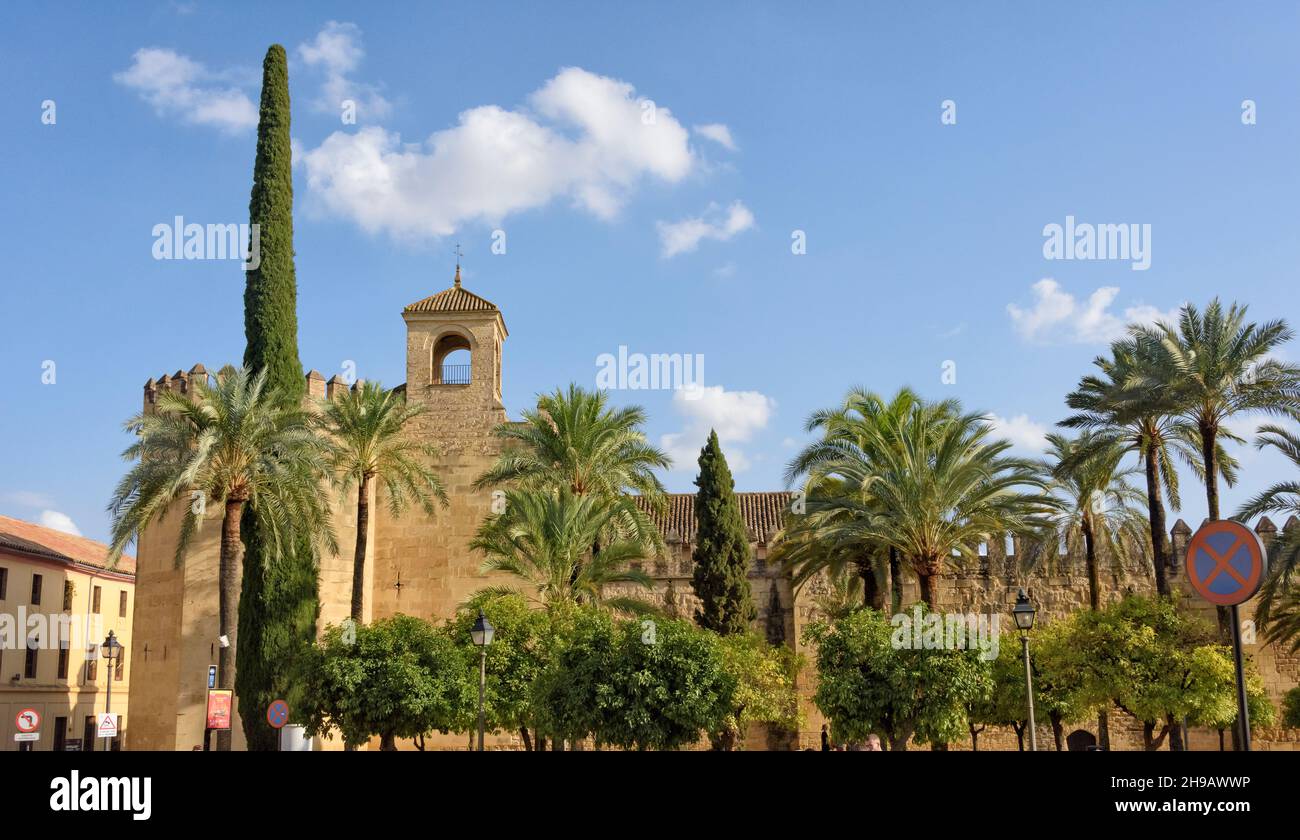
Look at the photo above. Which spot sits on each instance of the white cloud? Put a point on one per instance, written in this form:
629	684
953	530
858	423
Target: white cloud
1058	316
337	52
583	138
177	85
718	133
735	415
1021	431
685	236
59	522
28	498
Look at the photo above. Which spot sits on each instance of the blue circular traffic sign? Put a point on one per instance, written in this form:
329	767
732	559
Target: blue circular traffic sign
1225	562
277	714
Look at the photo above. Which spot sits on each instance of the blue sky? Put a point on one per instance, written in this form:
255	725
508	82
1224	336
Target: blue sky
924	239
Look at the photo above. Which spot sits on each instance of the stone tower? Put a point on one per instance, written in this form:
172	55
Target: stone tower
423	565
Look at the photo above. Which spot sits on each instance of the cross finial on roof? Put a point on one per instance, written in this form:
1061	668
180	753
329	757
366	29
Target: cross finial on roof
459	254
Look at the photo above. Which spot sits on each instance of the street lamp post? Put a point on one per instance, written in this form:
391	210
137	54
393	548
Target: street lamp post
482	633
111	650
1023	613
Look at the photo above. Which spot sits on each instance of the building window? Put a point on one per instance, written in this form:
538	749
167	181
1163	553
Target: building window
88	734
92	664
98	591
120	667
60	734
63	659
4	583
121	604
68	589
36	590
33	653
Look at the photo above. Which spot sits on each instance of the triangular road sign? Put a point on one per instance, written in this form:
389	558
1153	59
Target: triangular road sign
107	725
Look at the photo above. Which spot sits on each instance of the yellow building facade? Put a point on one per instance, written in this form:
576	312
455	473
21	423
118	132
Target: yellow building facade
58	603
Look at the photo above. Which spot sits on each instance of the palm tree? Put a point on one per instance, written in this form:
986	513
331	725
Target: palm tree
926	481
1123	405
366	442
1278	613
814	543
944	485
837	471
544	538
232	444
1098	502
1219	367
574	440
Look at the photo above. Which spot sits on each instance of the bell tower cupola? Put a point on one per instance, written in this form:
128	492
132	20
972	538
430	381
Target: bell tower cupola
453	350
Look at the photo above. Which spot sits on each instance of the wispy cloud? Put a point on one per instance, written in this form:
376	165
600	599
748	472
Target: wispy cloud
686	235
718	133
1057	316
176	85
1022	432
47	516
735	415
28	498
337	52
59	522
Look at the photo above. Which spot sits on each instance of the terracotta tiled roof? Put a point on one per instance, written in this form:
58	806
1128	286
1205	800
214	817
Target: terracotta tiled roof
37	540
455	299
763	513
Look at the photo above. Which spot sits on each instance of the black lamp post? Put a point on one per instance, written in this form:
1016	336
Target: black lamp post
482	633
1023	613
111	649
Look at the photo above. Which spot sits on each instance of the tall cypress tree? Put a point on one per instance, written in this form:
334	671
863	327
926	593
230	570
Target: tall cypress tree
271	290
278	604
721	578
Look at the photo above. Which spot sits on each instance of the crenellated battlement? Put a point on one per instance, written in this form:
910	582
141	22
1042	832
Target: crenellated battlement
183	382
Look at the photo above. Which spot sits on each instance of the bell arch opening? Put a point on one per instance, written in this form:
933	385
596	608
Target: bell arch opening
452	360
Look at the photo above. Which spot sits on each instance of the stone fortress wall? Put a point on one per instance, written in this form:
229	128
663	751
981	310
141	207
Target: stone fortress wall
421	565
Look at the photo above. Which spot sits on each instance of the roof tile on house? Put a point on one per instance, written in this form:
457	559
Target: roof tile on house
763	513
455	299
39	541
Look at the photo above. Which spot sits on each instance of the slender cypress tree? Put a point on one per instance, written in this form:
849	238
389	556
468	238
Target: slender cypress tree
278	604
721	578
271	290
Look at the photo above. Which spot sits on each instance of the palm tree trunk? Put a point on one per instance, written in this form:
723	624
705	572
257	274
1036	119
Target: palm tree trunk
1094	574
927	573
872	595
1094	601
1156	509
895	580
1224	614
1208	434
359	556
1208	439
229	574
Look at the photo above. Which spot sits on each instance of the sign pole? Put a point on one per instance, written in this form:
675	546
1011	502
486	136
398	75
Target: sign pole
1243	712
1226	562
